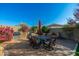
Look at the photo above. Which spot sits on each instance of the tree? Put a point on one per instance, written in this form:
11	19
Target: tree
24	27
71	21
76	14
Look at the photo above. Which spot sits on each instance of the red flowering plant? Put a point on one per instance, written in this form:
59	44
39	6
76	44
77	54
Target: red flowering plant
6	33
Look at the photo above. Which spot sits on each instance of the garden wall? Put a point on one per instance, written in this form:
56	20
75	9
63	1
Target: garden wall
76	35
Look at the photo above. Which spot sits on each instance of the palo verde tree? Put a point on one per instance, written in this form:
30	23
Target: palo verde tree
23	27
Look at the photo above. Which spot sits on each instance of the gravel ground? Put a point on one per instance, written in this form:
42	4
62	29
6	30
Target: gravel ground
63	48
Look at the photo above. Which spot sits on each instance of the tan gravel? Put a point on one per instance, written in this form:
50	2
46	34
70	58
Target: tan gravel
63	48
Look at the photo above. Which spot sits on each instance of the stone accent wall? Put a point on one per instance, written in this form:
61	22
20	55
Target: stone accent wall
76	35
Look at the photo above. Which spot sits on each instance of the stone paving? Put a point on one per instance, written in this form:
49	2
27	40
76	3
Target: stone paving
63	48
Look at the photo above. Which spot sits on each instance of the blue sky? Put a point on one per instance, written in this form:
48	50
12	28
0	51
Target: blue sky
30	13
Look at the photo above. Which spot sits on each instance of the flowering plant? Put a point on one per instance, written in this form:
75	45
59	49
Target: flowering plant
6	33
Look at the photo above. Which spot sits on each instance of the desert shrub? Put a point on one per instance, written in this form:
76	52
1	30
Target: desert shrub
68	28
45	29
23	28
69	31
77	25
34	29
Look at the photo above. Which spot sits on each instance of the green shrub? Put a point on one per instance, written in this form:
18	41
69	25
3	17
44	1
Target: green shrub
69	31
68	28
34	29
45	29
77	25
77	51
